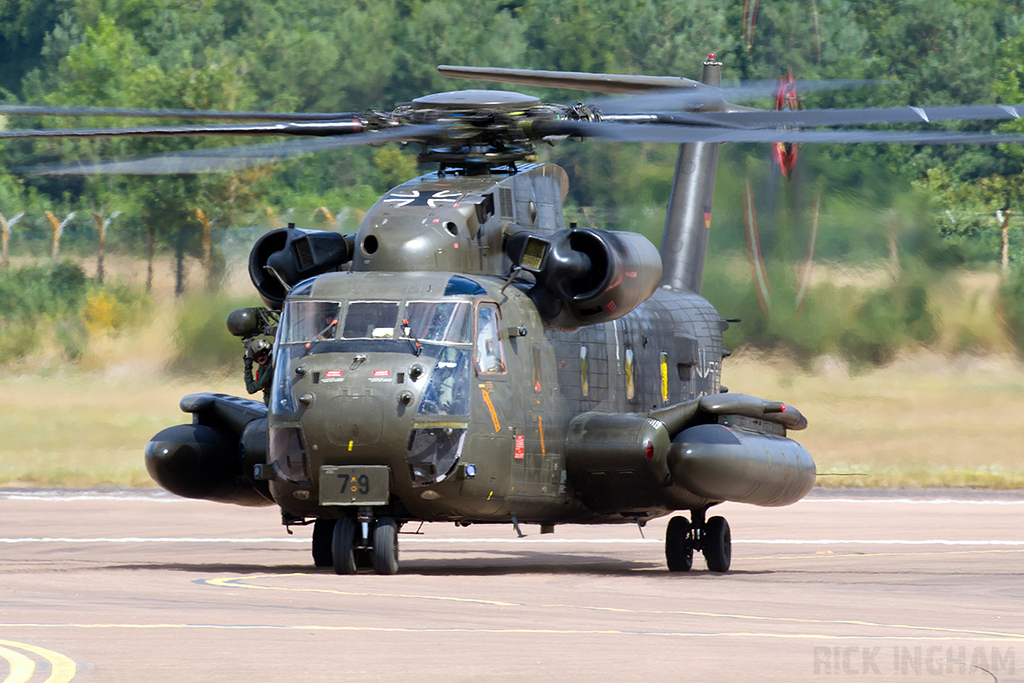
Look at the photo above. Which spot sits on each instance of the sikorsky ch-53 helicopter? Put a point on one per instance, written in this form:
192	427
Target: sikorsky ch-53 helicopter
468	357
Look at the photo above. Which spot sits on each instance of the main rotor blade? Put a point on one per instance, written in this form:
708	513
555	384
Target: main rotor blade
571	80
809	118
697	99
315	128
37	110
684	94
217	159
645	132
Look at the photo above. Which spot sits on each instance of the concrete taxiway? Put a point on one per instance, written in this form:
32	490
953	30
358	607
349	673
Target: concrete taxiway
138	586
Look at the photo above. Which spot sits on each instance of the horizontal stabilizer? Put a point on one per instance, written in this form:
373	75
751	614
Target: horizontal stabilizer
749	406
229	413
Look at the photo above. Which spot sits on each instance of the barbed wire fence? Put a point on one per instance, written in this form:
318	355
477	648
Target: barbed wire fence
116	246
201	255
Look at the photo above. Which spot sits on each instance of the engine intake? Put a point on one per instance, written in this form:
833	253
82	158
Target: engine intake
586	276
285	257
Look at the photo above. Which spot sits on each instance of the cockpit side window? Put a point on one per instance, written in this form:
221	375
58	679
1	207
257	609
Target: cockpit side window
305	321
440	321
371	320
490	357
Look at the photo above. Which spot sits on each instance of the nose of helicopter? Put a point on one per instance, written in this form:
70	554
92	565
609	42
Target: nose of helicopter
357	404
407	411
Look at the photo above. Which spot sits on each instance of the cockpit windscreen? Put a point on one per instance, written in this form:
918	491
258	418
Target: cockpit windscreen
440	321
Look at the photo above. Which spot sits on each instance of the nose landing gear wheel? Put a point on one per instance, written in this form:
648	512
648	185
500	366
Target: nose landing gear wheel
678	545
342	546
717	544
385	546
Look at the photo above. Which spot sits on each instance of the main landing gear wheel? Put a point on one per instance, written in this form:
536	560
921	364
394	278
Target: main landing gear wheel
678	545
385	546
343	546
323	534
717	544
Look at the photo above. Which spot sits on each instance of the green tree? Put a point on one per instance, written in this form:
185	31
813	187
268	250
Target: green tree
110	66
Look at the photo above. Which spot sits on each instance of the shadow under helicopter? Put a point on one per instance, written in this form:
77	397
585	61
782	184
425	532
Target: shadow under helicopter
484	564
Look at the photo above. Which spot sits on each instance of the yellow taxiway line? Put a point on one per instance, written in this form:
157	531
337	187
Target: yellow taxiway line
62	669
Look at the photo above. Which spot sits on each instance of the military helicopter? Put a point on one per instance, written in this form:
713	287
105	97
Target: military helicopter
467	357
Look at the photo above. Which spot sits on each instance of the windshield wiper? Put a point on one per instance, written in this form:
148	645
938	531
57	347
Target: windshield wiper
321	333
417	349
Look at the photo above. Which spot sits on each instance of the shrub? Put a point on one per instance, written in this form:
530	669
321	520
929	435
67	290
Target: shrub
1011	302
868	325
33	292
201	337
57	304
113	308
18	338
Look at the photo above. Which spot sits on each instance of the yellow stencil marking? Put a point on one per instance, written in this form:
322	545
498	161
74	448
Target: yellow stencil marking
540	426
664	377
490	407
350	445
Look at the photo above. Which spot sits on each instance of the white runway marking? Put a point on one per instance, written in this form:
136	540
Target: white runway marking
78	496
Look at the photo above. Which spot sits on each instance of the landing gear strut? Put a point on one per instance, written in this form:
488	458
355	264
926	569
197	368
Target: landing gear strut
712	538
356	539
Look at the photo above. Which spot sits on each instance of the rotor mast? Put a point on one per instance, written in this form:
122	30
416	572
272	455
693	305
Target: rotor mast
684	243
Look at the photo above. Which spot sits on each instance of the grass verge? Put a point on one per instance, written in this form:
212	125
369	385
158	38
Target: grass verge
924	421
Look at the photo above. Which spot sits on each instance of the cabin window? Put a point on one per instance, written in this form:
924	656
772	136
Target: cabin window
433	453
490	358
287	452
305	321
447	392
584	372
630	383
371	320
439	321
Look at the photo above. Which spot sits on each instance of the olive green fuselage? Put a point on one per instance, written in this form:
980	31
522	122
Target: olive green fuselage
364	399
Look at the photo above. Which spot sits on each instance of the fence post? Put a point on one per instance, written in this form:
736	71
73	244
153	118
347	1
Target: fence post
102	225
103	246
7	225
150	239
1004	217
327	214
55	250
58	230
207	247
272	219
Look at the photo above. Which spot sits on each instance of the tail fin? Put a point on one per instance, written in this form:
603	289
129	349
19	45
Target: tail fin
688	219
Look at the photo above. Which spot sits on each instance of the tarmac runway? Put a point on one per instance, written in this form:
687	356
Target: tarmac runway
138	586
